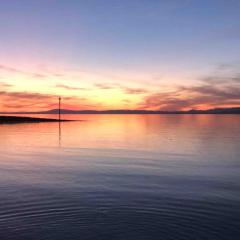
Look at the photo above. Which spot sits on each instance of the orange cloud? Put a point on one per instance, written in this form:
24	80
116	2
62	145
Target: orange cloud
212	92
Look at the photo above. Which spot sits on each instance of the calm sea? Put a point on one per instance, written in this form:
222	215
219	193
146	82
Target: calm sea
121	177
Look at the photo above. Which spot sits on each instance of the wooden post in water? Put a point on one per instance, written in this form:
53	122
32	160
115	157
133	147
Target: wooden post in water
59	109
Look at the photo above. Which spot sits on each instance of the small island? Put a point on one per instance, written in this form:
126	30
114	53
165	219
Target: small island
16	119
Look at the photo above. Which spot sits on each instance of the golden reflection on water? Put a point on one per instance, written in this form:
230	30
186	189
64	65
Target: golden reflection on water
168	133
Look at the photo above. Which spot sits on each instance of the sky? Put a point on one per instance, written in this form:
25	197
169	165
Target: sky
119	54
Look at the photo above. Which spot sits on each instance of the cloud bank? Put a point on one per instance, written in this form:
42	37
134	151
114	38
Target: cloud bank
213	91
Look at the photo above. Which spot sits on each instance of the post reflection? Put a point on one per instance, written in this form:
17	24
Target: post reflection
59	134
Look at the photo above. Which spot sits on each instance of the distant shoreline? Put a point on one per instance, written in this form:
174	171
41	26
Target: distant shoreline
235	110
170	113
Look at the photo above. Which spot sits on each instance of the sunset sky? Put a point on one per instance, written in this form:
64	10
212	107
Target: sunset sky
119	54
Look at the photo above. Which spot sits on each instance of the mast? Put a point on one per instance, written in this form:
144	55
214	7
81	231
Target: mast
59	109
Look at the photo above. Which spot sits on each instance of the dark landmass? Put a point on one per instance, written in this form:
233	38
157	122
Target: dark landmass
14	119
235	110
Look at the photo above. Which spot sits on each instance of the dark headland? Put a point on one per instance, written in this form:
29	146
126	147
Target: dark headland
14	119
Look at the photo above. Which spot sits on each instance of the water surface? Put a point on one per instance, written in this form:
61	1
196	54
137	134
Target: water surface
121	177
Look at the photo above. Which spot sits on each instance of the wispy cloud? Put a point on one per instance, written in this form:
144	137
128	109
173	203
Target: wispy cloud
4	85
10	69
25	95
39	75
28	101
135	90
20	100
127	90
14	70
69	87
105	85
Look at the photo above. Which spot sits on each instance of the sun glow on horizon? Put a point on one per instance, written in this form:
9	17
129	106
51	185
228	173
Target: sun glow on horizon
37	91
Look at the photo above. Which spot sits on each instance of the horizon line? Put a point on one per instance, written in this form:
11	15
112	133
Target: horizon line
126	111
